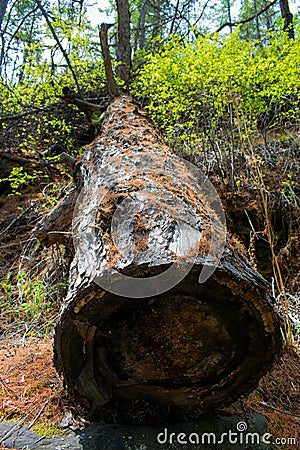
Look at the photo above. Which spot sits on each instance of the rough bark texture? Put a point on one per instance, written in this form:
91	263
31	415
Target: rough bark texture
194	345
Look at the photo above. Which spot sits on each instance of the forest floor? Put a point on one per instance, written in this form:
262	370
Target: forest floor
32	393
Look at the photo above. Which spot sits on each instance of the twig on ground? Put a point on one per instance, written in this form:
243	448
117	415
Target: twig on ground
39	413
276	409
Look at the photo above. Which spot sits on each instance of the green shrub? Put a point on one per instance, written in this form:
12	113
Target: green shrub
17	178
189	85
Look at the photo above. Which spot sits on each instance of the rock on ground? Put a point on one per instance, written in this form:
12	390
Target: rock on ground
123	437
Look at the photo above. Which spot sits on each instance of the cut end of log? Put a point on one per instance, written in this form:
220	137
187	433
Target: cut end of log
198	345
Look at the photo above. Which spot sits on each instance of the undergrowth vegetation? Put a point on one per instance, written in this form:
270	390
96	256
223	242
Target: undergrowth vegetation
200	87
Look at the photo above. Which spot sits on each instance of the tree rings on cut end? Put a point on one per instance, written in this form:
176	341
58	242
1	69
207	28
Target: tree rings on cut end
198	345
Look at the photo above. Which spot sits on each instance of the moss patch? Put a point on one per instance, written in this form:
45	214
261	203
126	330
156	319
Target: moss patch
47	430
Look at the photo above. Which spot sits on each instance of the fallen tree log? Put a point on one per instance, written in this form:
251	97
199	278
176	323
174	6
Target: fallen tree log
136	323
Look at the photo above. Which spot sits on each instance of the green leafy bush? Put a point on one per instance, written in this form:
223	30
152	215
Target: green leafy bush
210	81
44	70
30	301
17	178
25	296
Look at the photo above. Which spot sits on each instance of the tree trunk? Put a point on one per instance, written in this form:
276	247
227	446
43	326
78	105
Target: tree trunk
267	15
288	18
158	13
3	6
258	34
111	82
166	337
139	39
123	47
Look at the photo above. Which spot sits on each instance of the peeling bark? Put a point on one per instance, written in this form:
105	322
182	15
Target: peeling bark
55	225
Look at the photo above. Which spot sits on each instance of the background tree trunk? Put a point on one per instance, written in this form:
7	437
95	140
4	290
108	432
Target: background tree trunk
123	46
288	18
195	344
3	6
139	39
